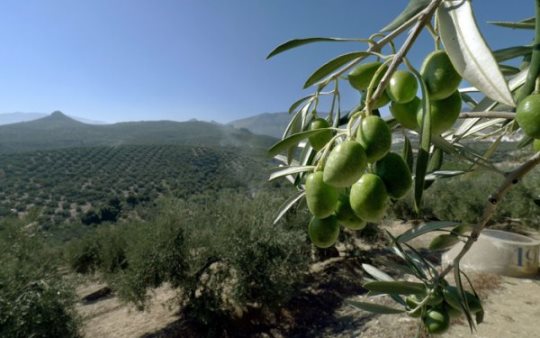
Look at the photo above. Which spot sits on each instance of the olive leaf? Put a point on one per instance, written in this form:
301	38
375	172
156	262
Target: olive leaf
332	65
444	174
288	204
523	24
295	105
512	52
396	287
443	242
412	8
376	273
408	155
375	308
293	140
436	160
300	42
424	229
468	51
422	158
508	70
289	171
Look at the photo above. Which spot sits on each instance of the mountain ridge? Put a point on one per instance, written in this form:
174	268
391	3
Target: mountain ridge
17	117
58	130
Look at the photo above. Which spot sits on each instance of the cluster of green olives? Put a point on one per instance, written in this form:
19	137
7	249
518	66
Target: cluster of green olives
442	81
345	192
440	307
528	118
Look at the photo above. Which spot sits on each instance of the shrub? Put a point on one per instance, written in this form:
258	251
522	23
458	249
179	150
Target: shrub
34	300
223	253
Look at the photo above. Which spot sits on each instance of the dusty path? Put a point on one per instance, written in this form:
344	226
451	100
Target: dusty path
109	318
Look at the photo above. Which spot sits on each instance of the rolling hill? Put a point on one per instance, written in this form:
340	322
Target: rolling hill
60	131
270	124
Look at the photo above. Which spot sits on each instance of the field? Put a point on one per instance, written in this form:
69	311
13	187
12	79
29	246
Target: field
62	185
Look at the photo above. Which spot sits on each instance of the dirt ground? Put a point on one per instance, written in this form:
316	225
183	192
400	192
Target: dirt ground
512	308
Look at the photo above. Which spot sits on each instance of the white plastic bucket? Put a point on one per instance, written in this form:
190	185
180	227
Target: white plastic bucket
500	252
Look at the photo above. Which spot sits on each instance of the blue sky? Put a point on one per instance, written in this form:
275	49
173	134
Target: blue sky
122	60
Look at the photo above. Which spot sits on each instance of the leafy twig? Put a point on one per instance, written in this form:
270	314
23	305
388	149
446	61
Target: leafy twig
422	19
488	114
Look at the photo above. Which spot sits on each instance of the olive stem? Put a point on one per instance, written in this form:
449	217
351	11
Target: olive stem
326	150
423	18
488	114
534	68
377	45
512	178
373	83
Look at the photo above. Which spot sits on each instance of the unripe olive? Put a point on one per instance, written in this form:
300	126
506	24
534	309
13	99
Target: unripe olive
360	77
536	145
375	136
444	113
346	216
369	198
345	164
383	100
440	76
402	87
412	303
405	113
528	115
395	174
323	232
319	140
436	320
320	197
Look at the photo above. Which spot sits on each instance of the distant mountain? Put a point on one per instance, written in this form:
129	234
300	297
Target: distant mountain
271	124
9	118
60	131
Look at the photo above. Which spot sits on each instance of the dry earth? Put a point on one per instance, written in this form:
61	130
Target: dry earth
512	308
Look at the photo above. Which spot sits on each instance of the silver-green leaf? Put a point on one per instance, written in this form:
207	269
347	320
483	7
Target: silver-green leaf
332	65
468	51
375	308
300	42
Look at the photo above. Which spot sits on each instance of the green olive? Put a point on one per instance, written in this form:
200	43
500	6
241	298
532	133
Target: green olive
412	303
375	136
369	198
320	197
345	164
444	113
395	174
346	216
436	320
536	145
402	87
405	113
440	76
323	232
319	140
528	115
360	77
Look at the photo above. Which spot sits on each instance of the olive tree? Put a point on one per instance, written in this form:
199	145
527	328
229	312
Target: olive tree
342	164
